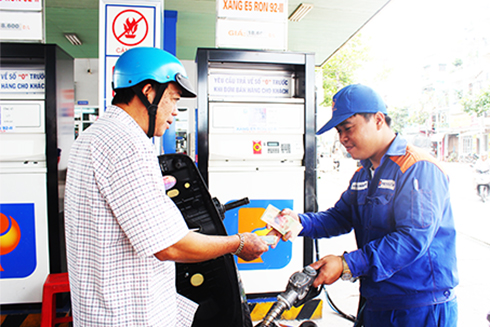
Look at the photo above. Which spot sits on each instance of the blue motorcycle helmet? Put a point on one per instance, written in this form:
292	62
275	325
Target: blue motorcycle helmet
144	63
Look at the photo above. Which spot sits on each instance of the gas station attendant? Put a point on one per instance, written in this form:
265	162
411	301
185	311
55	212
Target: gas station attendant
399	207
123	234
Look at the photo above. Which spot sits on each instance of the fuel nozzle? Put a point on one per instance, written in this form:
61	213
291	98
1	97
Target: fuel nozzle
298	291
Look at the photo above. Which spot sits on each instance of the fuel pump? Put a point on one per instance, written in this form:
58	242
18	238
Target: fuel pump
36	133
256	138
215	284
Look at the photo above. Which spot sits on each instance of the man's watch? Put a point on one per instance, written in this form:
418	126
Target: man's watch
346	273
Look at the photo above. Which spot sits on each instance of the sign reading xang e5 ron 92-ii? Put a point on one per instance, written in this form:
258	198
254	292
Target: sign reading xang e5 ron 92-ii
252	24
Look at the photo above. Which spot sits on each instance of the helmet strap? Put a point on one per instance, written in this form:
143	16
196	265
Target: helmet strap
151	107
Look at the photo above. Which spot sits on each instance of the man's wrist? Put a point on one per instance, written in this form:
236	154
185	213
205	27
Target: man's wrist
240	246
346	272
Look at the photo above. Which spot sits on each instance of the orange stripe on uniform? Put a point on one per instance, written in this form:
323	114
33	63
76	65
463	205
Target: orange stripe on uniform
413	156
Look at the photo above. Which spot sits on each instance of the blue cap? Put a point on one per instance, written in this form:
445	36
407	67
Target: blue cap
353	99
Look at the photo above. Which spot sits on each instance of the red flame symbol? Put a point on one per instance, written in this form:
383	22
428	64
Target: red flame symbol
9	235
130	28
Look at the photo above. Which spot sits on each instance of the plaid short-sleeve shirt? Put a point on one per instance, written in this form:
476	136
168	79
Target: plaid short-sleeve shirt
117	216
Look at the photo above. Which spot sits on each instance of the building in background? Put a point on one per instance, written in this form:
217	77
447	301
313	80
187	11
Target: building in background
452	133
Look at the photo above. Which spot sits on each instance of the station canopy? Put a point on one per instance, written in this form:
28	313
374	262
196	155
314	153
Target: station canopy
329	25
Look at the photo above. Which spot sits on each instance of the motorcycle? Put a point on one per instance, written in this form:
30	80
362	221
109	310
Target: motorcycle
483	183
215	284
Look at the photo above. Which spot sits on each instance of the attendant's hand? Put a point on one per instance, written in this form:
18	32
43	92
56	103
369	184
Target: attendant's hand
329	270
287	236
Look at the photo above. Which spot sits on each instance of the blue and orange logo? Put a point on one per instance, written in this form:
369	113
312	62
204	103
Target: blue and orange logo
247	219
17	240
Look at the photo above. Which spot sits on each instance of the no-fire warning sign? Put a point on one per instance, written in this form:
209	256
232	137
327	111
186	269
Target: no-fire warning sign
128	27
124	25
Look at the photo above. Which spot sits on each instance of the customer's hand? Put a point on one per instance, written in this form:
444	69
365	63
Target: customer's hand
253	247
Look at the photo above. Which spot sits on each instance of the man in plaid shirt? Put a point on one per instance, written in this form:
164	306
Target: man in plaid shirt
123	233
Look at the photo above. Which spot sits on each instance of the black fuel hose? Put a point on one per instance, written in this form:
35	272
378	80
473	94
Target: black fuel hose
329	299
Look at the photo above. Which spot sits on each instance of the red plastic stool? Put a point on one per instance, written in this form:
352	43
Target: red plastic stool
55	283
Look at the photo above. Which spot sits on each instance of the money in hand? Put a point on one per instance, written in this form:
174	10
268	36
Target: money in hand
283	224
269	239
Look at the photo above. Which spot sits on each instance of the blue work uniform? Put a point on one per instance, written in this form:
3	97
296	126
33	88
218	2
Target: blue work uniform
403	222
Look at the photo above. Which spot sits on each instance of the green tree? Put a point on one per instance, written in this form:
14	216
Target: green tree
339	70
478	104
458	62
400	118
418	116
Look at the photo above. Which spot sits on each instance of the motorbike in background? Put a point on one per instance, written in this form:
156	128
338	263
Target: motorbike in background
483	183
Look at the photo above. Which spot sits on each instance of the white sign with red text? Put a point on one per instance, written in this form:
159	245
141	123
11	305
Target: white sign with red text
124	25
21	5
129	27
251	24
244	34
21	26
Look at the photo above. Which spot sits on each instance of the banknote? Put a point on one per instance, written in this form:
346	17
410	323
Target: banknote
283	224
269	239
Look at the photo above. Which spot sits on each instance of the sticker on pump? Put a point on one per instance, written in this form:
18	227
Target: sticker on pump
257	147
17	240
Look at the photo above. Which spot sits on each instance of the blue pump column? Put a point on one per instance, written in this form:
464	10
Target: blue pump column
170	45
